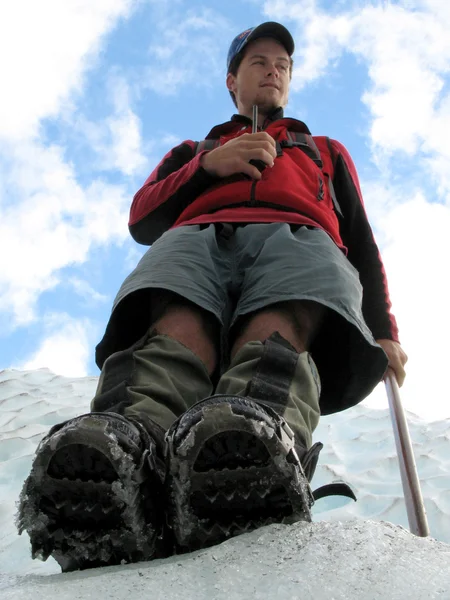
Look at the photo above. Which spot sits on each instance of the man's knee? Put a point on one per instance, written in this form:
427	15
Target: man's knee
192	326
296	321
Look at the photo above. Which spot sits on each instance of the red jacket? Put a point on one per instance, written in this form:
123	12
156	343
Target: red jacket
295	190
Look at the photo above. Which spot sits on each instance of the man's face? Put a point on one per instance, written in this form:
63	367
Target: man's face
263	77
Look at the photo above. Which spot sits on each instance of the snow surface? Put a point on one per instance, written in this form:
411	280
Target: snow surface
348	552
322	561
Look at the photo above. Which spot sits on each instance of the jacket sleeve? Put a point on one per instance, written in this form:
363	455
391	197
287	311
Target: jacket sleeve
363	252
173	185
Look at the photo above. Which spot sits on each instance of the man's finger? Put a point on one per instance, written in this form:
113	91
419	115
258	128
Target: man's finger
252	145
400	374
399	371
260	154
250	170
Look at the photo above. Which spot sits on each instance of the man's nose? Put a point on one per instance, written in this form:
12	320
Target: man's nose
272	71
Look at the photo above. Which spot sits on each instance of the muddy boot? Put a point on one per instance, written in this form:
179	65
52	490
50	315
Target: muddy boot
243	458
94	494
232	468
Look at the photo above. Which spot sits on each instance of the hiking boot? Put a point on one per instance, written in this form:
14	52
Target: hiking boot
94	494
232	467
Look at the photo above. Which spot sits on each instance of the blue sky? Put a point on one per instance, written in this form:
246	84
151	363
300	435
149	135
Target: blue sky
95	93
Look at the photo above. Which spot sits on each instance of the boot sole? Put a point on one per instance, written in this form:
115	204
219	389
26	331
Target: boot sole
231	474
83	503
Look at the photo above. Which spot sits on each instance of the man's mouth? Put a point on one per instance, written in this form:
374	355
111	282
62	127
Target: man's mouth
270	85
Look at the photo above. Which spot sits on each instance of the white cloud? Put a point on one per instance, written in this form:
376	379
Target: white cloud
45	49
407	71
380	197
415	254
186	50
66	349
49	220
117	139
52	222
134	255
406	48
170	140
412	234
86	291
319	37
125	151
437	148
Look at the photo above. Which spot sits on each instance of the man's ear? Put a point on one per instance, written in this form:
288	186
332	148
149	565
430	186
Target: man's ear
231	82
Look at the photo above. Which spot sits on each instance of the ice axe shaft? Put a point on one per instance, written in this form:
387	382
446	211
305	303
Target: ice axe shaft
259	164
415	508
255	119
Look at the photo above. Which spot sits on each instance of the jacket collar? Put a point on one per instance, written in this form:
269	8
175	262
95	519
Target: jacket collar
277	113
241	120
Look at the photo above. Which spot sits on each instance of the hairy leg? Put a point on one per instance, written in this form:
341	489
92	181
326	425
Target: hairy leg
297	321
192	326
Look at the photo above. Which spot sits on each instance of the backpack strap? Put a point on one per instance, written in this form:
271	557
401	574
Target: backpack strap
206	145
337	206
305	142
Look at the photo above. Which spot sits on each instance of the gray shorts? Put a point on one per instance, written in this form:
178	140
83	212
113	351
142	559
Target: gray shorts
232	271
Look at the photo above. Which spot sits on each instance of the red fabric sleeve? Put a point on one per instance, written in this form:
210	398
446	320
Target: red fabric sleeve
173	185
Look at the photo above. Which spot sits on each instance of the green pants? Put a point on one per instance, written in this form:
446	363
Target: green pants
159	379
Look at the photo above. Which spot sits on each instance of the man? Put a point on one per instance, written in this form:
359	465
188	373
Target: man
202	423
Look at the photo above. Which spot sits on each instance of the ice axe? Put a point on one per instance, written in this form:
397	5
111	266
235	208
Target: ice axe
415	508
259	164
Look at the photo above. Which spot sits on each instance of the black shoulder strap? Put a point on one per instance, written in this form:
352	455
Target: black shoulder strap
306	143
337	206
206	145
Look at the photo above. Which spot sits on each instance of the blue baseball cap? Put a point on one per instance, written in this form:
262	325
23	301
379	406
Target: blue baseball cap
269	29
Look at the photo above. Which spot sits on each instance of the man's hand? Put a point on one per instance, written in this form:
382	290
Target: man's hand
397	358
235	156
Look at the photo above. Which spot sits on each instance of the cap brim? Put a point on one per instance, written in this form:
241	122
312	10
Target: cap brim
274	30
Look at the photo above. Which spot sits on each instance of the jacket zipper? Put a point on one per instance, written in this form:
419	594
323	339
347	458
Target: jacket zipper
253	194
253	188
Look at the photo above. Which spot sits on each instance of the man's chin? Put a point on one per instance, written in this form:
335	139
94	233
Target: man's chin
265	107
